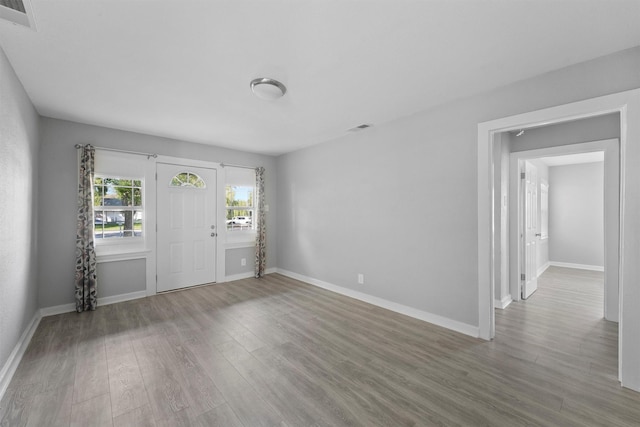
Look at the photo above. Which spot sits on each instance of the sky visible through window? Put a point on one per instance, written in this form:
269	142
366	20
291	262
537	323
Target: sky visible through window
242	193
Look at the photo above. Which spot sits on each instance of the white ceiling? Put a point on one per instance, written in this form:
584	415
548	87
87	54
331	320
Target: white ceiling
182	68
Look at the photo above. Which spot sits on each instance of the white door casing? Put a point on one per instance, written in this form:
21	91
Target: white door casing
627	105
530	232
187	232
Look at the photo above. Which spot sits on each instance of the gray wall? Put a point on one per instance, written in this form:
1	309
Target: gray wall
19	141
398	202
233	264
122	277
58	164
576	208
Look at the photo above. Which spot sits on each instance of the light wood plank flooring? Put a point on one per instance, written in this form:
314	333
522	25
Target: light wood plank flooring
277	352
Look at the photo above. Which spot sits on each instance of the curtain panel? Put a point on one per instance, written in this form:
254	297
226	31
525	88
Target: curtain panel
85	278
261	230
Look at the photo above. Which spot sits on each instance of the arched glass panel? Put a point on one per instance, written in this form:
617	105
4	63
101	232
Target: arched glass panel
187	179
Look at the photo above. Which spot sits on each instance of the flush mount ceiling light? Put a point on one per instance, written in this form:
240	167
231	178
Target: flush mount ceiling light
268	89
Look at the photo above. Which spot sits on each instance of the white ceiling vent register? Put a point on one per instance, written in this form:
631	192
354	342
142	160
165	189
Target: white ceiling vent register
18	12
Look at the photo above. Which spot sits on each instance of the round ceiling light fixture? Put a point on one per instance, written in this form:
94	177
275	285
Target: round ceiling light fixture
268	89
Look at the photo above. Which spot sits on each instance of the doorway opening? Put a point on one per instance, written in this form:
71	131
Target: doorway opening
591	170
566	229
571	243
558	249
627	104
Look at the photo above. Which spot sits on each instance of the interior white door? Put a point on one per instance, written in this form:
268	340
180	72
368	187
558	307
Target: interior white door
186	220
530	221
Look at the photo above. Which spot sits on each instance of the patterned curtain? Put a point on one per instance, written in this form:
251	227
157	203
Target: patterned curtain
261	229
86	280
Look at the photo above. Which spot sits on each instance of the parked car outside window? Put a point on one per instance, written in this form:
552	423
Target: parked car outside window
240	220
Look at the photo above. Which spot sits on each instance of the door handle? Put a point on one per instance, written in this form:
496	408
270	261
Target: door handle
214	234
538	235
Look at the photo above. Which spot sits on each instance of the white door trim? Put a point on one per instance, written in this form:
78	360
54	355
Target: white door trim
627	104
220	217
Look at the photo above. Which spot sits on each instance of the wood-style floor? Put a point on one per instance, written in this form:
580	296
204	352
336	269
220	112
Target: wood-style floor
279	352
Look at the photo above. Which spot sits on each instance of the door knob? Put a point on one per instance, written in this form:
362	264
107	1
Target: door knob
213	234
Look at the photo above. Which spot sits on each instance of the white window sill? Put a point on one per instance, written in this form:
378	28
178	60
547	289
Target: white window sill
106	255
240	239
238	245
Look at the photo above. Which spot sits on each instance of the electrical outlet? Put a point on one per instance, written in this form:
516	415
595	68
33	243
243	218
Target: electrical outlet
243	262
360	279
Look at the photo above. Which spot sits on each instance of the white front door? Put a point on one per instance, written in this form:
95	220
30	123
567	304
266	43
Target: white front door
186	221
530	282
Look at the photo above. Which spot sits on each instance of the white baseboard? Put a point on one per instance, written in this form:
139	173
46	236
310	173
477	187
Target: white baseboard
445	322
240	276
120	298
503	303
68	308
543	268
57	309
9	368
248	275
578	266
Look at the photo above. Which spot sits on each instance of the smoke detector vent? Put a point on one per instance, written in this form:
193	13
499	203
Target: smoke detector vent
359	128
18	12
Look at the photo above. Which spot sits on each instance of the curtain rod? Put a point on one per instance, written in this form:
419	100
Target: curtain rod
224	165
149	155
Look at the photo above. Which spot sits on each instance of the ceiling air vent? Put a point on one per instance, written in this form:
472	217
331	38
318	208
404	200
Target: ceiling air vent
359	128
18	12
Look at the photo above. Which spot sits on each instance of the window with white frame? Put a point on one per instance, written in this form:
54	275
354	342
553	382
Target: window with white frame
119	202
117	207
240	200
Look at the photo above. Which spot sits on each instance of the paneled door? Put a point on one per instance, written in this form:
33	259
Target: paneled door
530	282
186	219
